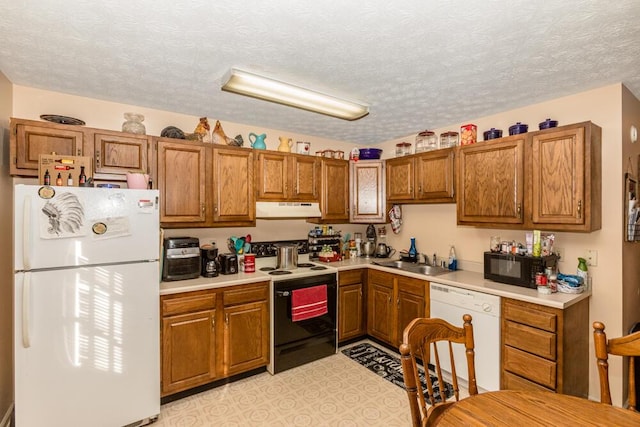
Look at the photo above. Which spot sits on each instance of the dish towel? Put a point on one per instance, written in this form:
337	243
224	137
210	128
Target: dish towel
307	303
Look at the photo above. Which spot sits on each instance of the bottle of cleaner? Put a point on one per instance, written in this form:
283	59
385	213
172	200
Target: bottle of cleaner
453	262
582	270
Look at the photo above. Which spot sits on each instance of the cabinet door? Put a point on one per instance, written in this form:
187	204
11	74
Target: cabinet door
490	182
30	139
182	182
380	306
233	195
367	192
246	337
400	179
350	313
334	201
558	177
272	176
188	351
409	307
305	178
117	153
435	176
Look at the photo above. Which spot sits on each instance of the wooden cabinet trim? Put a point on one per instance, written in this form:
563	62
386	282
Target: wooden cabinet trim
186	302
245	294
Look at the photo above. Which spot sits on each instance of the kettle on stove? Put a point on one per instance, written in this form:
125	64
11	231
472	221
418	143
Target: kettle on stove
209	260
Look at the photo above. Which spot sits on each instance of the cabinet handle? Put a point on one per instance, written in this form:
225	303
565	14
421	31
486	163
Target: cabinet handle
398	303
202	207
226	318
79	152
579	208
213	323
97	159
420	188
519	210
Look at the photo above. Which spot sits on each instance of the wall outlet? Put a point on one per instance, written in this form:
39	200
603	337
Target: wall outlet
560	253
591	256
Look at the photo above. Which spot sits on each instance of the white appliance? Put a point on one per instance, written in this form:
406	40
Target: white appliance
451	303
86	286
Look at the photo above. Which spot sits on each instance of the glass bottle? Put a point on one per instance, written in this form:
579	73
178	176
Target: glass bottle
453	262
47	177
413	252
69	180
59	179
133	123
83	178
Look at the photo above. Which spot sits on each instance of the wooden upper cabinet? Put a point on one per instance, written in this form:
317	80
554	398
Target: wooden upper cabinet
566	176
490	185
422	178
367	191
334	191
305	177
119	153
400	179
435	176
30	138
182	181
272	176
233	194
284	177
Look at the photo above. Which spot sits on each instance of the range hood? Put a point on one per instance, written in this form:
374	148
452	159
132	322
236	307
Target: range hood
287	210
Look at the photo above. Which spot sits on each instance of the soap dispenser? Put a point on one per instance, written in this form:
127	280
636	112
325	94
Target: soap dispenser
413	252
453	262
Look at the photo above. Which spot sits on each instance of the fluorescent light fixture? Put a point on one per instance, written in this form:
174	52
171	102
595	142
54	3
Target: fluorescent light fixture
260	87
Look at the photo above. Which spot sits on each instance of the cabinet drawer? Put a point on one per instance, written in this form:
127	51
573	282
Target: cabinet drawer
514	382
189	303
241	294
411	286
530	314
350	277
530	339
537	369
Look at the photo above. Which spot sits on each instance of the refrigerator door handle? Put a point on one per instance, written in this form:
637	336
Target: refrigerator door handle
26	303
26	233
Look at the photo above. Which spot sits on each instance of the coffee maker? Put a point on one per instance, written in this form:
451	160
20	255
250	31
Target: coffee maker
209	260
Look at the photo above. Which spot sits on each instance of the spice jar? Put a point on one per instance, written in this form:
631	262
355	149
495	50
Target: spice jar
468	134
403	149
426	141
448	139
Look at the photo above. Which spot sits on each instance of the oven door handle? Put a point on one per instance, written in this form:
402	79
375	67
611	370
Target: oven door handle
283	293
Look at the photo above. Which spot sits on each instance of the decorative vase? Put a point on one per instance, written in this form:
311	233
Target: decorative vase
133	123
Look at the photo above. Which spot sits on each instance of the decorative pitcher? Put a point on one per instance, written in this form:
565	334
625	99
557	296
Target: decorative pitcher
285	144
257	141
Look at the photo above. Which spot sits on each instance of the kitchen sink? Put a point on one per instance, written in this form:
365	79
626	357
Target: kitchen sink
429	270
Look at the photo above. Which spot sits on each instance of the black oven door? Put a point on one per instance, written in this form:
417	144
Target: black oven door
296	343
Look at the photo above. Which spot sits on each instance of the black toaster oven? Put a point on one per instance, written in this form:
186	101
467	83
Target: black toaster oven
181	258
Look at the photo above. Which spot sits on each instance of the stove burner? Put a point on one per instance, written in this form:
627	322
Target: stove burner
279	272
267	269
318	267
305	265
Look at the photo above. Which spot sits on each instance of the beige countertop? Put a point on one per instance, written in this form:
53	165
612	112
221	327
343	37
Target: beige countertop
463	279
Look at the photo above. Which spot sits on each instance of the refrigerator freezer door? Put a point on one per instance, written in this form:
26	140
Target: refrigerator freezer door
70	226
94	353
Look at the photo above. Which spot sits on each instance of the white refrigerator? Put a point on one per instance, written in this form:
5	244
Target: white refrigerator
86	302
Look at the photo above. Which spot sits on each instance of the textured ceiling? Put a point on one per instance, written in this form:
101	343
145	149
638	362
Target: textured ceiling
419	64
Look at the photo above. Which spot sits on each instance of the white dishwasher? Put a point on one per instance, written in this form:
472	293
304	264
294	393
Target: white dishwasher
451	303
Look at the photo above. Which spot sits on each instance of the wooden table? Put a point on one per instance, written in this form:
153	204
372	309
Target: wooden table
533	408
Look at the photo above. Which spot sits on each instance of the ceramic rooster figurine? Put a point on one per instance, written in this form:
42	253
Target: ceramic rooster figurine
202	130
219	137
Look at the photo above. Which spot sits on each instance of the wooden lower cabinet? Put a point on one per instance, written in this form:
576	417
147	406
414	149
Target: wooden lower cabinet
212	334
545	348
351	304
392	302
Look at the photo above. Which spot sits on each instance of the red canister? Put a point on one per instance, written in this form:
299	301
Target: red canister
250	263
541	279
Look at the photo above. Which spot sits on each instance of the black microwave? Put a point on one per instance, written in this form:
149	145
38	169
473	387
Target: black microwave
519	270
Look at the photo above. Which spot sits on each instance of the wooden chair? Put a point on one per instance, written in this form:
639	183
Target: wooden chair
418	340
628	345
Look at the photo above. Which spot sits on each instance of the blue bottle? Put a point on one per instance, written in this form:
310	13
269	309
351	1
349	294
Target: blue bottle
453	262
413	252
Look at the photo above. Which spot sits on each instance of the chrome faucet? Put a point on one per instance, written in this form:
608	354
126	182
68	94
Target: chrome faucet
426	259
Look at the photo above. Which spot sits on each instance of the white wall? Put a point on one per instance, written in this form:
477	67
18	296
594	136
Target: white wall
434	226
435	229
